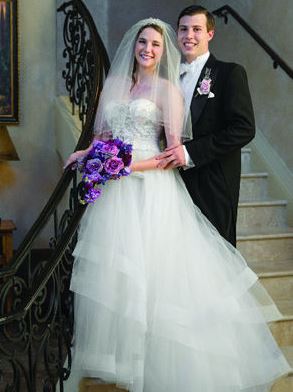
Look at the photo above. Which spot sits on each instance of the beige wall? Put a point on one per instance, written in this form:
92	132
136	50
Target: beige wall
272	90
25	185
120	15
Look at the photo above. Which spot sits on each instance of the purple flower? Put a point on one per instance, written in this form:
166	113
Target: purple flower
113	165
125	149
94	165
128	149
88	185
92	195
98	144
126	159
110	149
125	171
95	177
205	86
118	143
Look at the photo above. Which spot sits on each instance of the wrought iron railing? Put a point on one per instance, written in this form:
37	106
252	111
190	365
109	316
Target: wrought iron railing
226	10
36	310
81	65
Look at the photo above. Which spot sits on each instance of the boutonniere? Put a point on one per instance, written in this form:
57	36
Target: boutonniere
205	84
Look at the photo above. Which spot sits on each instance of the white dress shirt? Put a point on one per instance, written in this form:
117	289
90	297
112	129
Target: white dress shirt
189	75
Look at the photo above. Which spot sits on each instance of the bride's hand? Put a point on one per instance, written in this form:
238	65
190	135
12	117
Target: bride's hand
74	157
173	156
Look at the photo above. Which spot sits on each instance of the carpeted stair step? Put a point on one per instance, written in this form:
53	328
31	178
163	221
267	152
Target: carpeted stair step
253	186
282	330
255	215
274	244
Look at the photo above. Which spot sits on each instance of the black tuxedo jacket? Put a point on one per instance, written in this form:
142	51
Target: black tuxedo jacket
221	126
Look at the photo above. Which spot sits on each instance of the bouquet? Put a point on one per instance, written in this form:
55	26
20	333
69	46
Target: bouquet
107	160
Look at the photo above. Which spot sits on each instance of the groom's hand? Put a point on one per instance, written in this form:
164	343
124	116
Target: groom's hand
172	157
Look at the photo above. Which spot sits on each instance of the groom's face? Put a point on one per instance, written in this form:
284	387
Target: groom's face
193	36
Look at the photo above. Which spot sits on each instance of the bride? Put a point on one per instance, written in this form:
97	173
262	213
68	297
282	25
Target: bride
162	301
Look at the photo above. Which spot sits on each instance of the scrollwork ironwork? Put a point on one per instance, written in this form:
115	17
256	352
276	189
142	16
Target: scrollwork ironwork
79	65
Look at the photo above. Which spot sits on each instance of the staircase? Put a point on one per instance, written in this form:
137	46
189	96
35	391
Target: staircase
266	242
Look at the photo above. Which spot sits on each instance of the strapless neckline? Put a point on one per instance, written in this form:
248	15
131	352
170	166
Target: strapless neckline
135	101
138	121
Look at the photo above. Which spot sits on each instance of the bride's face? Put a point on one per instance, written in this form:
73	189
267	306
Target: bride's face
149	48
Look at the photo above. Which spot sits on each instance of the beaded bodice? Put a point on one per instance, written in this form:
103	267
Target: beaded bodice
138	122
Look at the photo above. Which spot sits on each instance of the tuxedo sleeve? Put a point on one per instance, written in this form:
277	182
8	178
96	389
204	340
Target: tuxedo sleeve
238	128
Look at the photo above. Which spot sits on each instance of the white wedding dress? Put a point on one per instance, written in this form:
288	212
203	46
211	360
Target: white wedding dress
162	302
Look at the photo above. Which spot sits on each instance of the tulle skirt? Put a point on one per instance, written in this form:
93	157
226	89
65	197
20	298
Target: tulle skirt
162	301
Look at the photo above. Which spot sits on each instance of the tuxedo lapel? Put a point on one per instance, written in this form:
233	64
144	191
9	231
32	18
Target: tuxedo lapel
198	101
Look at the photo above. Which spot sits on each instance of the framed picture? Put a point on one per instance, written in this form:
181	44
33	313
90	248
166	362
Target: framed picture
9	86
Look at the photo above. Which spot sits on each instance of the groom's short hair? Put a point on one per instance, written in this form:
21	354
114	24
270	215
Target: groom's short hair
198	9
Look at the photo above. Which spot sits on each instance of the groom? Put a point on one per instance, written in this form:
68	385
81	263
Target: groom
222	118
